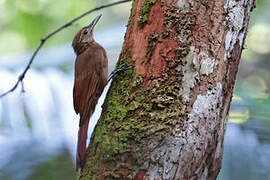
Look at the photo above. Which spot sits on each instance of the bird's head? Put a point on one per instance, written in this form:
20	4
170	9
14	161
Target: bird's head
84	37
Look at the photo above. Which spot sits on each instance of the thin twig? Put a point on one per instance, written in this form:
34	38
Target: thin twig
43	40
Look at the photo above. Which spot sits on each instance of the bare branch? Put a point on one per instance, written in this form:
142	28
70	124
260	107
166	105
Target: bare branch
43	40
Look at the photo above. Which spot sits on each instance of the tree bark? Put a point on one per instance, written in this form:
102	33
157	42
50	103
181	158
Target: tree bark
165	119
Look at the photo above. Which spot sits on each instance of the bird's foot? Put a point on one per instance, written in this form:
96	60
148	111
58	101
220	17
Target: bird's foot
117	71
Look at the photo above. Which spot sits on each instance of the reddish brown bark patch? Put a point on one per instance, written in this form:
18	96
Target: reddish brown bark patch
140	175
137	44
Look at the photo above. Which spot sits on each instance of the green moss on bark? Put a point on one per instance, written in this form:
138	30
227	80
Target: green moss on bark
134	115
144	12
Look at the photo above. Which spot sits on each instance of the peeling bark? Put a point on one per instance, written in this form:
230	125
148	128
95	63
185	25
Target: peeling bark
166	118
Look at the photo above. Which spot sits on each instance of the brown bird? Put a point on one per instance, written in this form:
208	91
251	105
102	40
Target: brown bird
91	75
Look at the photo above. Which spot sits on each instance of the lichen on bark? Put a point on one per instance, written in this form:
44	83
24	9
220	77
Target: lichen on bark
132	115
165	118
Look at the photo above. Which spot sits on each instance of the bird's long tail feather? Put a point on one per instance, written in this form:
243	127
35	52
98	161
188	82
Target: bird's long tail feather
81	145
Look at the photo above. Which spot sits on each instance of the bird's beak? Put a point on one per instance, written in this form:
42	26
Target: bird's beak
94	22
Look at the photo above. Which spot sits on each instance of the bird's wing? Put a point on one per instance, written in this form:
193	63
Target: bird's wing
87	82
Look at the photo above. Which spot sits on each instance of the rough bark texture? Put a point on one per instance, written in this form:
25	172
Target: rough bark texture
166	118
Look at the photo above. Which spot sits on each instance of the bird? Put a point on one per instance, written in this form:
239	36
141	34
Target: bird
91	76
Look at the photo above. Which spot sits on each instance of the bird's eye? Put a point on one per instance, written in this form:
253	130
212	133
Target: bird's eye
85	32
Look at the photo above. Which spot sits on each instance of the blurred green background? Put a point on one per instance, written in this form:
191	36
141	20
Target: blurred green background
24	22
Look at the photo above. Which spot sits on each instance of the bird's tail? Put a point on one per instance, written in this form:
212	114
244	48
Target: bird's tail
81	145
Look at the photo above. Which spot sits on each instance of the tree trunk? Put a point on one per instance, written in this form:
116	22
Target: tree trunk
165	119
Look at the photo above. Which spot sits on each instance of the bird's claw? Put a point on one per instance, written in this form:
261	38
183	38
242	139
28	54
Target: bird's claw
117	71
